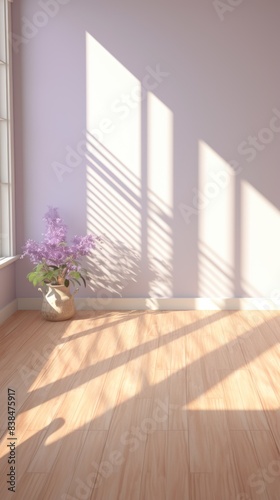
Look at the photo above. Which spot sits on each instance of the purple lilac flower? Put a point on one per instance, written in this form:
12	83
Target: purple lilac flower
54	249
56	229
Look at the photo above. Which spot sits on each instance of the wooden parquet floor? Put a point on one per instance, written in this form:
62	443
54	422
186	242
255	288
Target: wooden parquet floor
142	406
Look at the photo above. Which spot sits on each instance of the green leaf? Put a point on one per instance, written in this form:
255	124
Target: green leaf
31	276
39	267
74	274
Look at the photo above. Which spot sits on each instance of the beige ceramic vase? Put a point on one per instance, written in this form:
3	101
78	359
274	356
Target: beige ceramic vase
58	303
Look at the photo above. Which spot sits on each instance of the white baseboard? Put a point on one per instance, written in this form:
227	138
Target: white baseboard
8	310
122	304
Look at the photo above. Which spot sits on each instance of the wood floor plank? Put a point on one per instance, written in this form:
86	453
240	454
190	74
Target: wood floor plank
235	354
178	414
267	391
224	474
165	331
178	357
30	484
239	395
108	397
30	331
132	380
123	456
216	344
269	459
85	477
154	476
27	447
46	454
20	320
256	416
199	437
82	414
201	487
210	362
195	382
161	396
178	478
273	322
61	474
247	464
148	362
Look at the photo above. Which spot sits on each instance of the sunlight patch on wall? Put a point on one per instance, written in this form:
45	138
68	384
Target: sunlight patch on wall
260	243
160	196
113	154
214	201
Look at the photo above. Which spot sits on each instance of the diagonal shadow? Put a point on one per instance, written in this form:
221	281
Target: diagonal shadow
66	383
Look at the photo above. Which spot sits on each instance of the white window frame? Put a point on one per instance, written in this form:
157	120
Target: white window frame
7	189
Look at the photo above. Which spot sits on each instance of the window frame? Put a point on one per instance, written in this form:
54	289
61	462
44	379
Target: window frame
7	206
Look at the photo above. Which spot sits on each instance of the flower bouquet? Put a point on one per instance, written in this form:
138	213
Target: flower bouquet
56	261
57	264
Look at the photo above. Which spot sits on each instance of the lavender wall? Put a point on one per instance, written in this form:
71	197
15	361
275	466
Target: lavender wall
8	285
182	180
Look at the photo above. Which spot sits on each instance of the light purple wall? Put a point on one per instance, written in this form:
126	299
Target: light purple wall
8	285
223	84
